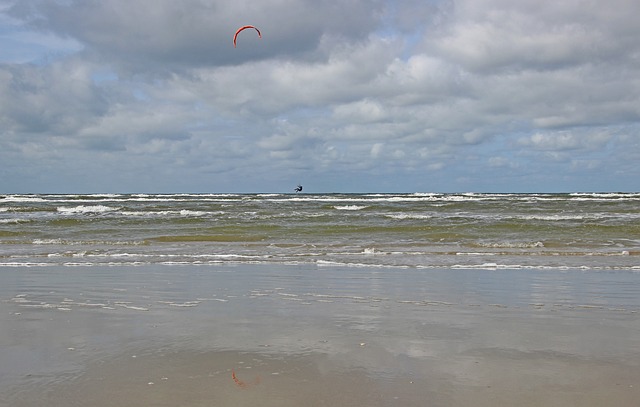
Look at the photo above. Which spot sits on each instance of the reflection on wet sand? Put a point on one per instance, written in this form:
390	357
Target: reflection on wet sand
289	336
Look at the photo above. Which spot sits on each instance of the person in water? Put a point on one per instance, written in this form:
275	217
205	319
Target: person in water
298	188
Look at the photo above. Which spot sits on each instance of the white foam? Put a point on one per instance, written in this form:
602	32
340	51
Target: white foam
511	245
403	216
25	264
132	307
13	220
21	198
86	209
350	207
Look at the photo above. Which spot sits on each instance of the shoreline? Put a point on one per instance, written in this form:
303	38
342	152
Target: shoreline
317	336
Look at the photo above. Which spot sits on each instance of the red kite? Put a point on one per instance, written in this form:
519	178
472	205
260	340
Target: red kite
244	28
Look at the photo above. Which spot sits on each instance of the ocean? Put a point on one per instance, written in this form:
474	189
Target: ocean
592	231
320	299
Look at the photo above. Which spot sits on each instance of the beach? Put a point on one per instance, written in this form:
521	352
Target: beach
317	335
417	299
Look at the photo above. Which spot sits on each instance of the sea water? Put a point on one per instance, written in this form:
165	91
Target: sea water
340	299
592	231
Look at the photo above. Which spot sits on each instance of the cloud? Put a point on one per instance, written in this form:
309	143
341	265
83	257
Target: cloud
171	35
564	141
57	99
495	35
475	90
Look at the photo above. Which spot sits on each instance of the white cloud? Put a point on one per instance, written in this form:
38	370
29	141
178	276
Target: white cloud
376	150
467	88
563	141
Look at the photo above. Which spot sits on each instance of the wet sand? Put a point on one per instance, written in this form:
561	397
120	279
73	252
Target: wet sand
294	335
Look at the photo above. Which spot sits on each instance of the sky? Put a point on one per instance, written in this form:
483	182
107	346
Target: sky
150	96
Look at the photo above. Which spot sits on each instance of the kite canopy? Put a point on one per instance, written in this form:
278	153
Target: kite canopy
235	37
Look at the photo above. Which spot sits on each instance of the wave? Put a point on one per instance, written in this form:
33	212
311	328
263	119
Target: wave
336	197
350	207
86	209
607	195
362	261
404	230
65	242
209	238
511	245
14	221
22	198
182	213
403	216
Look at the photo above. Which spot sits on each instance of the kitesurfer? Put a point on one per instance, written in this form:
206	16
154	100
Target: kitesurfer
298	188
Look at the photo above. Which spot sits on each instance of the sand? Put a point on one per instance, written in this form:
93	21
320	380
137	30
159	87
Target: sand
273	335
